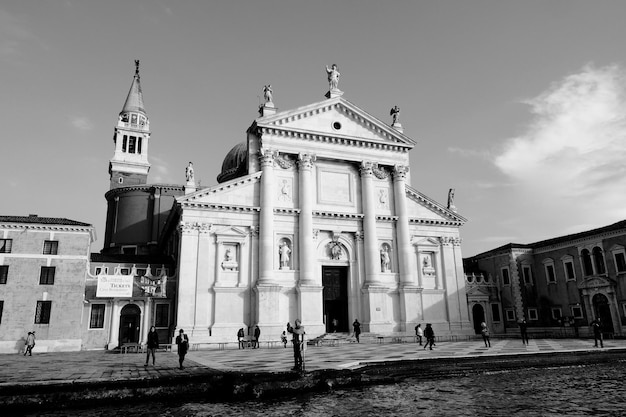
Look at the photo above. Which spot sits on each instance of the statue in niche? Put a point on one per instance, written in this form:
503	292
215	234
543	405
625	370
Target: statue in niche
333	77
427	267
229	262
395	113
335	250
382	198
163	286
267	93
189	172
284	251
385	260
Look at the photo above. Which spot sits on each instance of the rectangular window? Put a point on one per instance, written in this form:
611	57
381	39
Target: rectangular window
510	314
141	272
162	315
47	275
556	313
5	245
97	316
131	144
4	273
495	312
550	274
505	277
569	271
532	314
577	312
1	308
102	270
42	314
50	247
620	262
139	145
124	142
124	271
133	119
528	279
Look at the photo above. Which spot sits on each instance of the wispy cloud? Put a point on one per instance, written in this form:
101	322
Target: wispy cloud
81	123
14	33
573	150
160	171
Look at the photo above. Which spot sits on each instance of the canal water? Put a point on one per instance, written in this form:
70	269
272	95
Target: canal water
582	390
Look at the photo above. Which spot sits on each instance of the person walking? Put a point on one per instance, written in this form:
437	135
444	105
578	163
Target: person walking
523	328
152	345
485	332
429	334
596	325
30	344
419	333
183	346
283	339
257	333
297	340
240	336
357	329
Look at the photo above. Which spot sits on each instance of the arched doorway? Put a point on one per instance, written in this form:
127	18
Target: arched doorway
478	314
129	324
602	309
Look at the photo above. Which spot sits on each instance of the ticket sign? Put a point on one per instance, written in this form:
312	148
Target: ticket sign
115	286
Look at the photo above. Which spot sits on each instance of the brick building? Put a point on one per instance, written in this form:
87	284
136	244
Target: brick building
556	285
43	264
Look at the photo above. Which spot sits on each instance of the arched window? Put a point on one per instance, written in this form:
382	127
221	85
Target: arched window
598	258
586	260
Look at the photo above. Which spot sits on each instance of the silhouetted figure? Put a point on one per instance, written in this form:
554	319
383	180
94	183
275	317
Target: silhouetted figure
596	325
523	328
485	332
357	329
429	334
183	346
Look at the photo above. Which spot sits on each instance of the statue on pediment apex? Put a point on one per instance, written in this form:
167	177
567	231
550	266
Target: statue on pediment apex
395	113
267	93
333	77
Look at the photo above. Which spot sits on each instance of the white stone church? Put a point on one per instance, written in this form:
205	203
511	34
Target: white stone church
313	217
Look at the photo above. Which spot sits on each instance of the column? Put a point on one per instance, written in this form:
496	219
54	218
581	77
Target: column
145	320
187	280
114	331
307	272
372	267
266	221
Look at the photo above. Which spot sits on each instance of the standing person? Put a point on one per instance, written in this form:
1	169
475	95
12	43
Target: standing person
297	339
429	334
183	346
283	339
240	336
523	328
419	333
152	345
485	333
30	344
257	333
596	325
357	329
335	325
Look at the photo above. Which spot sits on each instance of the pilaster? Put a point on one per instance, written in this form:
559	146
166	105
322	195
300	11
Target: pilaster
307	272
372	276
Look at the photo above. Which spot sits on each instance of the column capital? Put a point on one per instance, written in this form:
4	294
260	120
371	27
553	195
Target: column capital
305	161
366	169
266	157
400	171
450	241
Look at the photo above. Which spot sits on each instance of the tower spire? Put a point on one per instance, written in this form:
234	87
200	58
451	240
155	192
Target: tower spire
129	165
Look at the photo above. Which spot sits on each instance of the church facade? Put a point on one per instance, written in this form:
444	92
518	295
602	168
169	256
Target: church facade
312	217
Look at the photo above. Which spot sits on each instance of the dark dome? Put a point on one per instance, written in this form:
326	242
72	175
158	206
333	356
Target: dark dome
235	164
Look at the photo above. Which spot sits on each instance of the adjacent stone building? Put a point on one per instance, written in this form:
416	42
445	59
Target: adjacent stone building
43	265
556	285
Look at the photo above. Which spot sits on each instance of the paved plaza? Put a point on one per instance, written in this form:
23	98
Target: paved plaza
100	366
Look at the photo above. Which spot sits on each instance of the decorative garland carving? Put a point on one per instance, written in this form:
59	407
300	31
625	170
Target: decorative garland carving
450	241
283	161
380	172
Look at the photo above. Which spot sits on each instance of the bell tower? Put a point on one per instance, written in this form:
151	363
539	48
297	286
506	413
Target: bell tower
129	165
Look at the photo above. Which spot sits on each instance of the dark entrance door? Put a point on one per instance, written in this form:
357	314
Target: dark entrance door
129	324
602	309
335	282
478	314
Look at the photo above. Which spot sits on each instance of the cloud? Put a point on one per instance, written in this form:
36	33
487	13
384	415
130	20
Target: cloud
81	123
574	148
160	171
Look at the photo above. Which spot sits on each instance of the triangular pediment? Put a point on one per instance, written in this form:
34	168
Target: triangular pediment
477	292
231	232
240	192
335	117
426	210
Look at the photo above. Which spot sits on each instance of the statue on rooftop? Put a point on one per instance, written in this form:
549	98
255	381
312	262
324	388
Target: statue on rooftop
333	77
395	113
267	93
189	172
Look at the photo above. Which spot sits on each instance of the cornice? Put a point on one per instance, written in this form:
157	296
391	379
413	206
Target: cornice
218	207
436	222
220	187
143	187
47	227
454	218
578	241
320	213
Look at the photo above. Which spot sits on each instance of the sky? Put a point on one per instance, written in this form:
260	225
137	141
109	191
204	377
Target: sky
520	106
